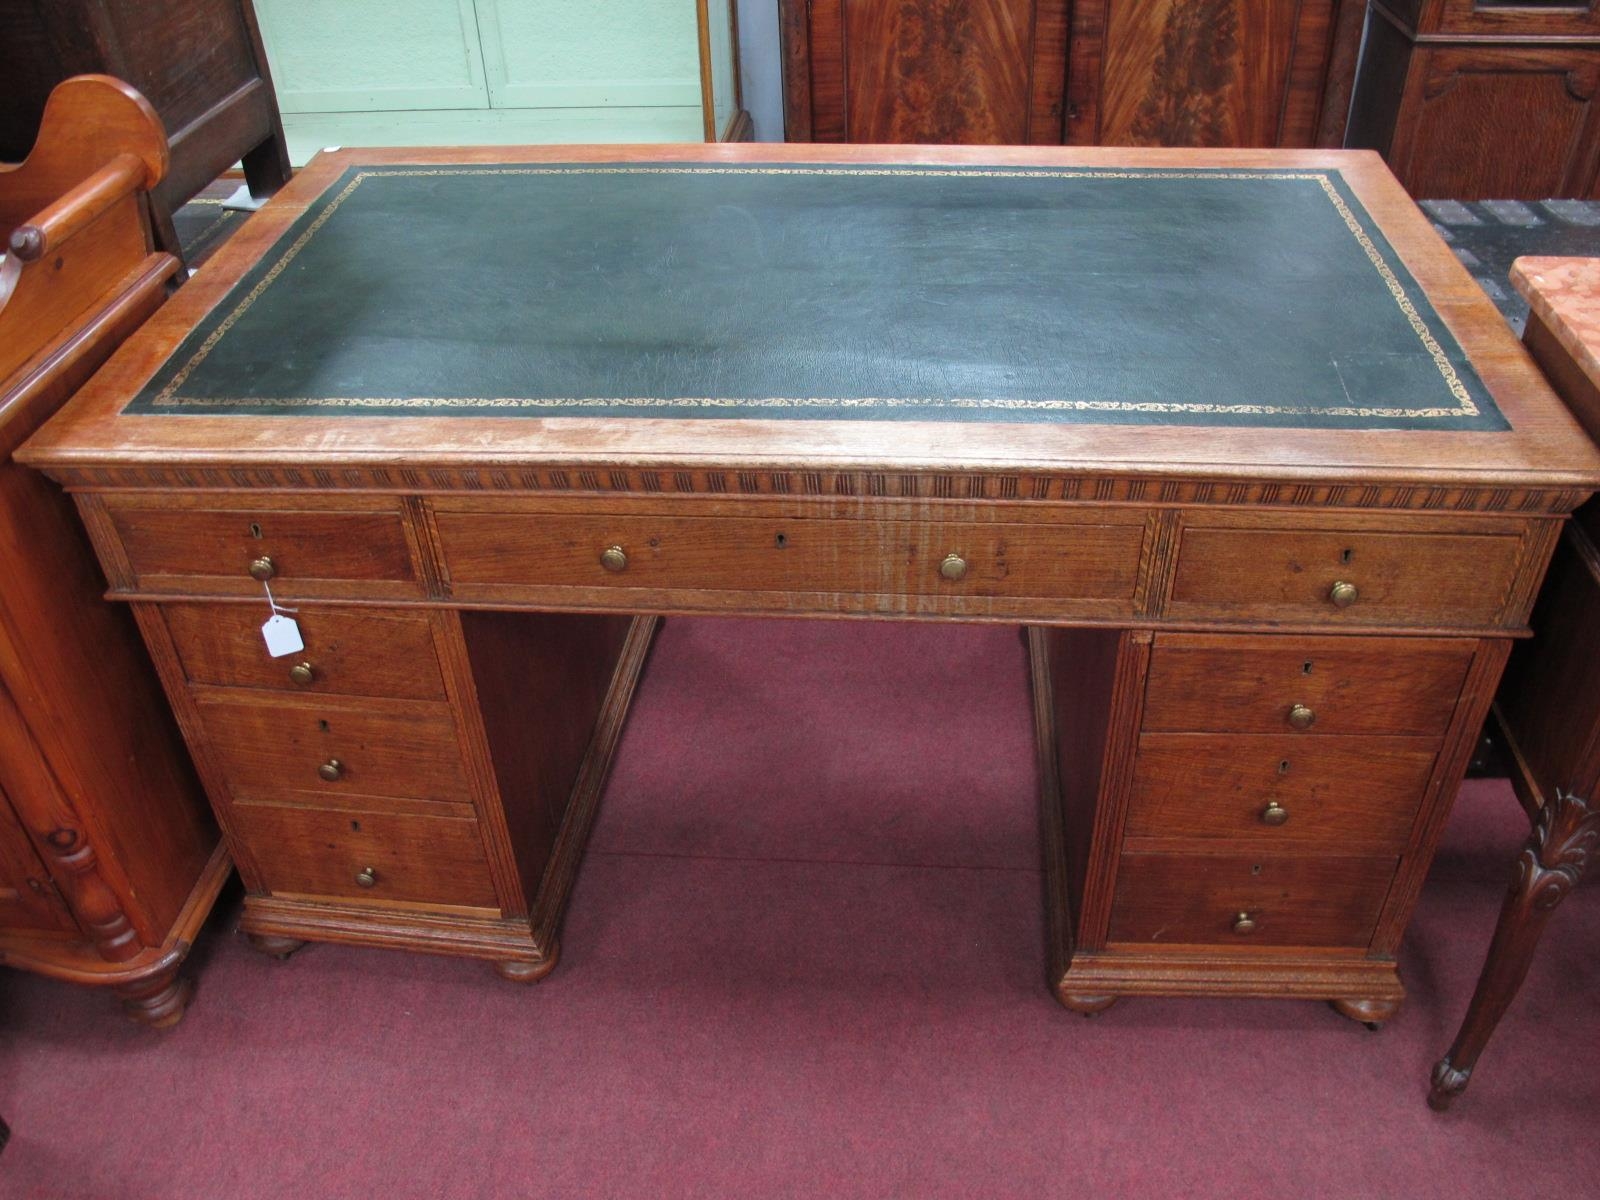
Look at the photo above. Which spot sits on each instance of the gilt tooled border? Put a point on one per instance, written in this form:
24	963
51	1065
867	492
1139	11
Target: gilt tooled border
1465	406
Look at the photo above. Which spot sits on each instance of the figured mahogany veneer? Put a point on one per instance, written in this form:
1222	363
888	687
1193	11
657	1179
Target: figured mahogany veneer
477	596
1090	72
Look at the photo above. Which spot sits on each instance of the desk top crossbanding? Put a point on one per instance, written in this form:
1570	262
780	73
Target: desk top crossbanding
1045	324
1215	296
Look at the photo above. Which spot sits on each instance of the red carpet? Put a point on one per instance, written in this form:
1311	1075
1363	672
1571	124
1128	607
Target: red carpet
805	958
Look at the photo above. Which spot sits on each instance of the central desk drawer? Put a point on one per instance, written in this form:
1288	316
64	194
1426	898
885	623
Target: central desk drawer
348	651
494	554
361	552
1234	900
1283	790
377	858
337	753
1343	577
1276	683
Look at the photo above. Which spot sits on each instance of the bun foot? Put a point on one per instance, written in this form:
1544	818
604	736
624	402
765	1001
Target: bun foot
1448	1083
272	944
1371	1013
159	1001
1087	1005
518	970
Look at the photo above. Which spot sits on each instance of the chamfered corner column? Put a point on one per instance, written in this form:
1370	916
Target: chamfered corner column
1557	852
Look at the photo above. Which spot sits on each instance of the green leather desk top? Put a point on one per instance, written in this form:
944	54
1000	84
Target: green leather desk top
1187	296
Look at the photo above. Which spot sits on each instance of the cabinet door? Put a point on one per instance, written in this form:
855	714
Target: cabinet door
27	898
636	53
1199	72
1485	123
974	71
373	55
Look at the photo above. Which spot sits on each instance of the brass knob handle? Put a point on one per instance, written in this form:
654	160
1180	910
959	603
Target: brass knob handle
303	674
1343	594
953	567
332	770
1301	717
366	877
263	569
1274	813
614	558
1244	923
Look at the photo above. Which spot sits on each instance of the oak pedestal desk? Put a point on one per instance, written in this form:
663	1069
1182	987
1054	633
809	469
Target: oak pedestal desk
1264	475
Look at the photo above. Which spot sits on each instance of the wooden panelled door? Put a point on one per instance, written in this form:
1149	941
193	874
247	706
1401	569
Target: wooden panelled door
963	71
1086	72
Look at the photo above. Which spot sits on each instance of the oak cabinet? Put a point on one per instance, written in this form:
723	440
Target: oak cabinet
198	62
1096	72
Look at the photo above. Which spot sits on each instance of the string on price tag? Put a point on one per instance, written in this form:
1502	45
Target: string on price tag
282	632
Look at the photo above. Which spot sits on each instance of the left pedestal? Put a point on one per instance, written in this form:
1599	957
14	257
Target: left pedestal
413	777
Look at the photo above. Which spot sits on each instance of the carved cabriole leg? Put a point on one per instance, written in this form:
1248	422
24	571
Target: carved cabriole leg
522	971
275	946
1371	1013
158	1001
1564	835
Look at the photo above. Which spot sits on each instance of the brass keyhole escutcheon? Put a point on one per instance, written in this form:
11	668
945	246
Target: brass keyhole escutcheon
1343	594
1244	924
1274	813
366	877
614	559
332	770
303	674
262	569
1301	717
953	567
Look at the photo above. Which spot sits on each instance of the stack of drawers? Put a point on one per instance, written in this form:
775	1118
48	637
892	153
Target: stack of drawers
1276	784
343	763
1253	813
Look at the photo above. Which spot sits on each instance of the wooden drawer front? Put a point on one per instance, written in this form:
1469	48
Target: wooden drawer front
1196	899
1286	576
314	553
1280	789
272	748
1241	684
1574	18
412	859
350	651
486	553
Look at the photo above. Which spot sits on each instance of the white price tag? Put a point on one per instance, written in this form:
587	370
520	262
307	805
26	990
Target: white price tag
283	636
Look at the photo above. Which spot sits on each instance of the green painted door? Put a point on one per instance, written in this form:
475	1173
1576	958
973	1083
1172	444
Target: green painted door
490	72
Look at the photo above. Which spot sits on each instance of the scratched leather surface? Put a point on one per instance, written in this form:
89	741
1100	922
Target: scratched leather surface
1186	297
